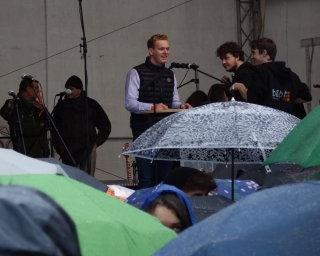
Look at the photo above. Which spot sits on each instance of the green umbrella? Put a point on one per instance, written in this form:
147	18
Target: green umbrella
105	225
301	145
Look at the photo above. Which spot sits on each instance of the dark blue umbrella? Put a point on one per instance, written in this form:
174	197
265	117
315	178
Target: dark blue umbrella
78	174
32	223
283	220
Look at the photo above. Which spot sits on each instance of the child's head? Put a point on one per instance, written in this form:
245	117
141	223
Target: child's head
171	211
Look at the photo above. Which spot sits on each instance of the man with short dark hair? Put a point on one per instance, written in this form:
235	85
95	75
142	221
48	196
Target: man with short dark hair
32	119
232	57
274	85
140	97
70	119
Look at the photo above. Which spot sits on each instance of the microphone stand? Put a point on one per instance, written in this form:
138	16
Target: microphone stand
196	81
84	46
48	127
196	74
227	83
52	136
20	134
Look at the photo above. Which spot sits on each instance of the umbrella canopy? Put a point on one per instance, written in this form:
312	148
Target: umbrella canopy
283	220
204	206
34	224
302	145
227	132
78	174
206	133
105	225
12	162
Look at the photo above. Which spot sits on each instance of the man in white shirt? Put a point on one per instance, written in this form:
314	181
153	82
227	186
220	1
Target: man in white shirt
145	90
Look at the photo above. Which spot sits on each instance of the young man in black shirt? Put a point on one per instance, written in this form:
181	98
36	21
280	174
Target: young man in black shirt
232	57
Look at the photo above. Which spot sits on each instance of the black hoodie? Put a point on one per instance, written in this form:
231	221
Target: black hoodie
276	86
244	75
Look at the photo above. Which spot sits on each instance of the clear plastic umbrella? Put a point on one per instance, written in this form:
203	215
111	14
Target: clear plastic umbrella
227	132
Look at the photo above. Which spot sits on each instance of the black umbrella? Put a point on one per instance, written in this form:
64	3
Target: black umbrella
204	206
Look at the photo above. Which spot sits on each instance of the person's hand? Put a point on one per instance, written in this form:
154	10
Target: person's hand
185	106
241	88
236	87
38	103
225	79
161	106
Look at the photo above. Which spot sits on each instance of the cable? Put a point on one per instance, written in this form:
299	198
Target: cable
110	173
116	30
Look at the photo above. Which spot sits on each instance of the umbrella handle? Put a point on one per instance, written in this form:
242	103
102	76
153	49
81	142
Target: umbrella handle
268	169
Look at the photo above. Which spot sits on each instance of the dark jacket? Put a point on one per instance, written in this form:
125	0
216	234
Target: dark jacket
69	117
32	119
276	86
244	75
163	90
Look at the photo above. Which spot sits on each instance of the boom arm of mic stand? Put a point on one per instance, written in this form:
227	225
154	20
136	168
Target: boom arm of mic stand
227	83
192	80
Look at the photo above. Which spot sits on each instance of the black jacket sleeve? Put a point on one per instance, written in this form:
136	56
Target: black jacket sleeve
304	92
102	123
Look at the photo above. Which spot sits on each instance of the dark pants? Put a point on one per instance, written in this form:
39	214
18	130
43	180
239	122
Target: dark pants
150	174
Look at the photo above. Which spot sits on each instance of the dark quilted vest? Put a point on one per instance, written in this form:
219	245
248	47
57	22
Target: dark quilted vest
163	93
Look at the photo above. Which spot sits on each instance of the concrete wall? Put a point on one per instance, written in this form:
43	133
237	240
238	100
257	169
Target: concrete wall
288	22
41	38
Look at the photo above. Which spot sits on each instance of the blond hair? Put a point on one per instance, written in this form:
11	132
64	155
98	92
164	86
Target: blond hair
154	38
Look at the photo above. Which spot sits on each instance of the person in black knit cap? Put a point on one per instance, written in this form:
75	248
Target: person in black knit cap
70	119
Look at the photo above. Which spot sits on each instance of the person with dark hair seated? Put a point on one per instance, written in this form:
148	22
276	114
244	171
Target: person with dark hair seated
191	181
198	98
217	93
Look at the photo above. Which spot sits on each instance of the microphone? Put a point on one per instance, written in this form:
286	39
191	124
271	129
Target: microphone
316	86
11	93
25	76
184	65
66	92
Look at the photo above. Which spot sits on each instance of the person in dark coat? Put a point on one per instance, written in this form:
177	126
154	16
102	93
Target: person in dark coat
32	118
232	58
69	117
274	85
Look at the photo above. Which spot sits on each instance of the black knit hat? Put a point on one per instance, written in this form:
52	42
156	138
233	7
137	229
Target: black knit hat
179	176
75	82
